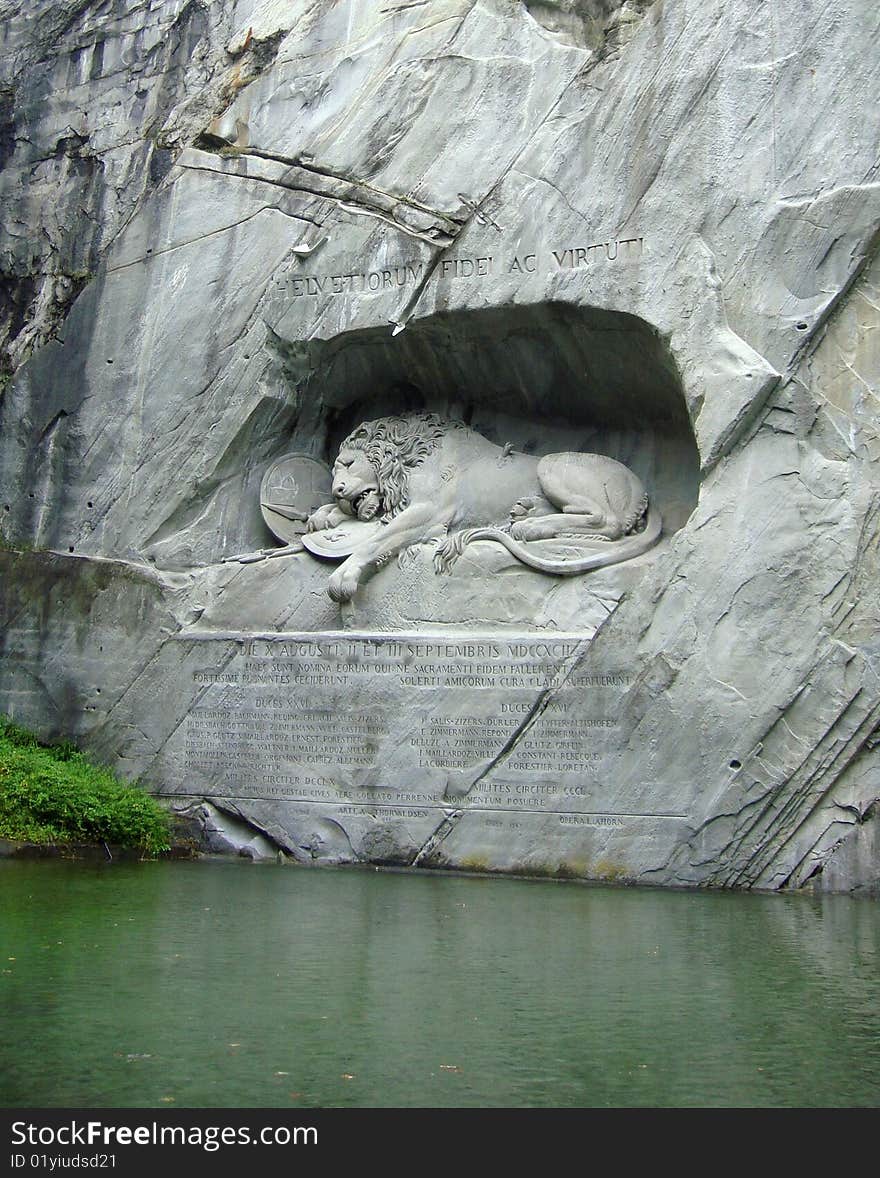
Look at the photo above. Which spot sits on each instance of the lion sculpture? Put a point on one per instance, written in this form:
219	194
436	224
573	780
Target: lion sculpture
423	477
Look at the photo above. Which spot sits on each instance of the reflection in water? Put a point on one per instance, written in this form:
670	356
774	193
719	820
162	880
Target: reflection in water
231	985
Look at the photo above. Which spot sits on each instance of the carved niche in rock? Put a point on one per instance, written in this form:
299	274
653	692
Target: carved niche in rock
402	481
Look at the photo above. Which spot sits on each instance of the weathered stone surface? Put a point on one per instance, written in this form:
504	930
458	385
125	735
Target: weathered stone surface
641	230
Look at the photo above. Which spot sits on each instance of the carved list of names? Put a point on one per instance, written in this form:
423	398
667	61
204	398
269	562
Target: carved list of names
326	718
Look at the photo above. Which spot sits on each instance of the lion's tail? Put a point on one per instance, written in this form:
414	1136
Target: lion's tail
615	551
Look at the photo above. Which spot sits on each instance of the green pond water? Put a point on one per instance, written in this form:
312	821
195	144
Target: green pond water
225	984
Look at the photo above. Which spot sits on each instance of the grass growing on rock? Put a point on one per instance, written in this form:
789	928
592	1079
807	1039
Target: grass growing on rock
54	794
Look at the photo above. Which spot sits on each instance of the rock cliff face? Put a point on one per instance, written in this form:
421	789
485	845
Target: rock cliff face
230	232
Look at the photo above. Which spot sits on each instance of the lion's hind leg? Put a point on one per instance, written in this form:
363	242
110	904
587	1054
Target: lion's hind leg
589	489
549	527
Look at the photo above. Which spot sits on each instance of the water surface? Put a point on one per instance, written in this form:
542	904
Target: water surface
225	984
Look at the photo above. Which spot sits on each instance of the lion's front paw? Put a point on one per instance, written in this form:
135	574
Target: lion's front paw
343	584
532	529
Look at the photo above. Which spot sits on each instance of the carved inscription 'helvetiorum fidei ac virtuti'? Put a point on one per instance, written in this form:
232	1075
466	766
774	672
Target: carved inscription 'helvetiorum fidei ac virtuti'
412	272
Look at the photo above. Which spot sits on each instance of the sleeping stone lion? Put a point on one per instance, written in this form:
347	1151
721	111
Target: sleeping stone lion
424	477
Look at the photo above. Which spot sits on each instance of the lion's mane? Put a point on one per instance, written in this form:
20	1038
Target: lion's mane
395	446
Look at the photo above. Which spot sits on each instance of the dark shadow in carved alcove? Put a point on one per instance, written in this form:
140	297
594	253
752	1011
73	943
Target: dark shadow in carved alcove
545	377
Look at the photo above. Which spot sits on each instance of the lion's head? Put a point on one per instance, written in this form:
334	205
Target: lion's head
371	472
356	484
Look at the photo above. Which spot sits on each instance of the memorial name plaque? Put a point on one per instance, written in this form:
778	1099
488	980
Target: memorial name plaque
367	729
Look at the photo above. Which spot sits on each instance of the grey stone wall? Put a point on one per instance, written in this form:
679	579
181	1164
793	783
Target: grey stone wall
230	231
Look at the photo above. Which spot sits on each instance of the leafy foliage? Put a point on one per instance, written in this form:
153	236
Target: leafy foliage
52	794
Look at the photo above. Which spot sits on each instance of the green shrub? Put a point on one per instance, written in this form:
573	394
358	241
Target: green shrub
51	794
